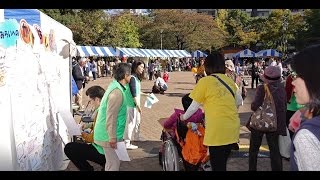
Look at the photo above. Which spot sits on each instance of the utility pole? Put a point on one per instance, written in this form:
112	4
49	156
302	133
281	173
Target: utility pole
161	32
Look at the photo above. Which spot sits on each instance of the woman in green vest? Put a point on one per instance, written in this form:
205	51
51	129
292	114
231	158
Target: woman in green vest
111	119
133	91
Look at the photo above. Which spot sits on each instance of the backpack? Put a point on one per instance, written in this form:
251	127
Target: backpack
264	119
75	89
193	150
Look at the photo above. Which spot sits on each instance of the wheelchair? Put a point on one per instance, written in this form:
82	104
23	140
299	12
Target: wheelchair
171	159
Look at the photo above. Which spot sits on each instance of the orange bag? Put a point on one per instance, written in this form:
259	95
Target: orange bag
193	150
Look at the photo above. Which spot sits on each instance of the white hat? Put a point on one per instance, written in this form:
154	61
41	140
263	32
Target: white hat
83	60
229	64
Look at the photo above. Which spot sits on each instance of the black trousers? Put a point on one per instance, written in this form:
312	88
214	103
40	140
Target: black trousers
255	143
219	156
254	78
80	153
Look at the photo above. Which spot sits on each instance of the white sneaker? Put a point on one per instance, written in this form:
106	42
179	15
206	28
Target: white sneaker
131	146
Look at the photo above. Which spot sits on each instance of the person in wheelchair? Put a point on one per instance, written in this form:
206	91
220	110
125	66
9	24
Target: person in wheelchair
171	123
80	152
170	127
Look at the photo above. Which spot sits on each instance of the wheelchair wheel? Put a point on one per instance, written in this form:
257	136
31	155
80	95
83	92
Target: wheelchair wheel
170	157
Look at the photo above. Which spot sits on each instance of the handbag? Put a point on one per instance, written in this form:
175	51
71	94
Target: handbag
284	145
264	119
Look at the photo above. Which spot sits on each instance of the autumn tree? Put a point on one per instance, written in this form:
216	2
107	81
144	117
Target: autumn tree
124	32
182	30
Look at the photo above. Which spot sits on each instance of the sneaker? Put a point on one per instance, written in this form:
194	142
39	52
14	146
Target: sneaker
131	146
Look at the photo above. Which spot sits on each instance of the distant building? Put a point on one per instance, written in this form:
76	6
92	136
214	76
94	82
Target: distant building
139	11
211	12
250	12
296	11
258	12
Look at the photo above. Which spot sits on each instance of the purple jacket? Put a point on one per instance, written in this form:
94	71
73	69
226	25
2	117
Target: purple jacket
170	123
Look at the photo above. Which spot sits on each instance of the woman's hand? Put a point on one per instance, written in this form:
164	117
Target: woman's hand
139	109
291	128
113	144
181	117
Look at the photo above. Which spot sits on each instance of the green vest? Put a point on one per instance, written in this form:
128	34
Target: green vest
100	132
129	95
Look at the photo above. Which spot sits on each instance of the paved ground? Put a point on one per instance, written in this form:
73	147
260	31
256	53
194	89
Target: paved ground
146	157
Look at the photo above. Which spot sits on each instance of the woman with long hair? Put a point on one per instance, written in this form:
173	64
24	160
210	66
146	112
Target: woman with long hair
200	70
133	91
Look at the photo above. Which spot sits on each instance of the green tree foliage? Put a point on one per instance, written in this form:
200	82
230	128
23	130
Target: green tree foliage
309	31
274	30
89	27
239	26
92	28
221	19
124	32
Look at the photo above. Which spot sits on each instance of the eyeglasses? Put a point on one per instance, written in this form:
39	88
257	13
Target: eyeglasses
294	75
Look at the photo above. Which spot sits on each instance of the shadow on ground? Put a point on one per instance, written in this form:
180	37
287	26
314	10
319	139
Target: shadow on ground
147	153
174	94
192	83
188	89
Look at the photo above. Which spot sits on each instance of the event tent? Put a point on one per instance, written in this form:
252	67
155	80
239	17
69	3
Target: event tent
244	53
178	53
268	53
85	51
198	54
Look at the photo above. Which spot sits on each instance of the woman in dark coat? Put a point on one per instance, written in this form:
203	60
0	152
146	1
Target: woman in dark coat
272	77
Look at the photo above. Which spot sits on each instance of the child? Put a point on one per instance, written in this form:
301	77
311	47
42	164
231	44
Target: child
160	86
197	117
165	76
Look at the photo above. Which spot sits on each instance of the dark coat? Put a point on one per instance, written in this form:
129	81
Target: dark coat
77	76
278	93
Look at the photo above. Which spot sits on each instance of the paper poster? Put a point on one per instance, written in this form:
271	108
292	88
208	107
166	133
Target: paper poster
151	99
9	33
122	152
72	127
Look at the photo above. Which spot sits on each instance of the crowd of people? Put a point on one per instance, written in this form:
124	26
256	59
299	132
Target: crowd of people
217	95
